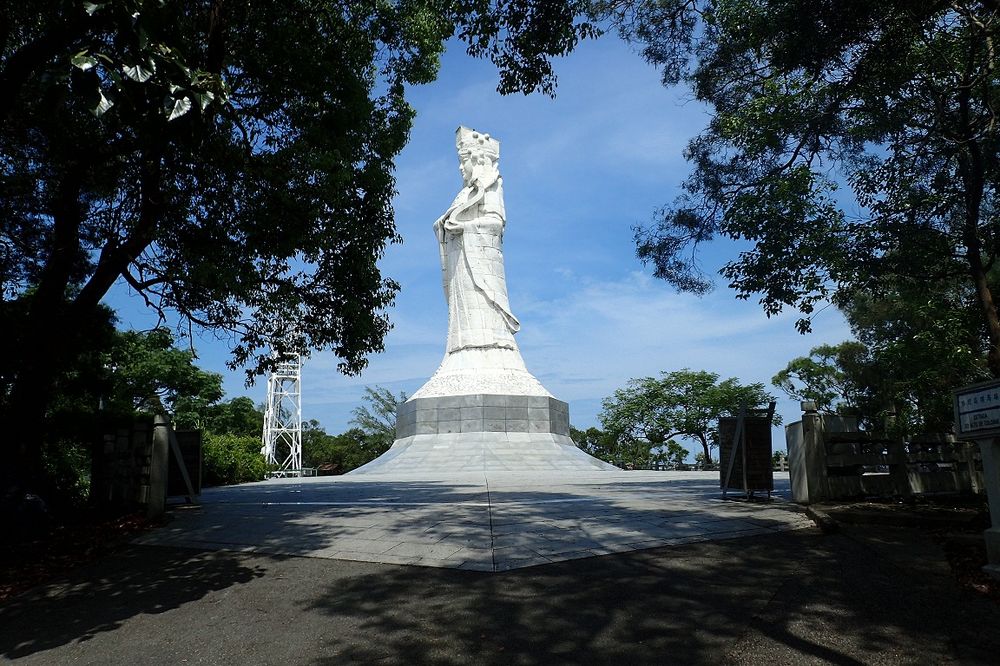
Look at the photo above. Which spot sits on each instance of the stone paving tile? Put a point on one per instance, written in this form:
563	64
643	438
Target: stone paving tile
386	558
470	554
560	548
410	549
352	555
462	541
519	563
362	545
522	520
474	565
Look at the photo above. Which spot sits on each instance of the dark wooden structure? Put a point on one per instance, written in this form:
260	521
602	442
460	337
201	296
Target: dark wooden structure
189	444
745	451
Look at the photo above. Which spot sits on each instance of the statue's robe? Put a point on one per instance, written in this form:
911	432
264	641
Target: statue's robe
470	235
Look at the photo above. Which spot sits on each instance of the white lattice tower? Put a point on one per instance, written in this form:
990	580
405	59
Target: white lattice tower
283	416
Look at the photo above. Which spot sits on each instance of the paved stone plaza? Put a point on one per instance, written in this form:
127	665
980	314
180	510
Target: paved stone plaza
485	522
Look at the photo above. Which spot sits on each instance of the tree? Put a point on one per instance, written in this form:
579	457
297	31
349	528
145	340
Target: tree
895	101
237	416
923	342
230	162
913	349
231	458
684	403
376	417
150	375
596	442
675	455
825	376
344	452
622	452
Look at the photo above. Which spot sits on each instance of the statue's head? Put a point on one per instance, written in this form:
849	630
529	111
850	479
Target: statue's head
477	153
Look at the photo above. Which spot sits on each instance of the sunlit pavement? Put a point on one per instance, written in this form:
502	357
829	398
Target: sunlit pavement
484	522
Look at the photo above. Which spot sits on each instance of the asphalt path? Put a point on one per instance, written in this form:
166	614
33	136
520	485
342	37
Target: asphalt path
861	596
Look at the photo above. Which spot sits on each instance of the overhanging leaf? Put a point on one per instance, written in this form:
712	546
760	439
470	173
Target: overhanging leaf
103	104
179	107
138	72
204	99
83	61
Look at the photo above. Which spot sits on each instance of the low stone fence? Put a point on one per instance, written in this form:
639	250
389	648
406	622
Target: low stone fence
831	459
122	462
136	465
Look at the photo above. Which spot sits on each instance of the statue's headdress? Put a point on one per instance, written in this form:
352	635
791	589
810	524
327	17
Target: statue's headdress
469	140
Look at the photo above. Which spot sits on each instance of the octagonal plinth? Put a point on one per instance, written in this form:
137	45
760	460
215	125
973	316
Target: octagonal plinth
483	432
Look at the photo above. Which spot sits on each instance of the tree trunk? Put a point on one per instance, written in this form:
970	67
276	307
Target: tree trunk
44	342
985	297
708	450
972	170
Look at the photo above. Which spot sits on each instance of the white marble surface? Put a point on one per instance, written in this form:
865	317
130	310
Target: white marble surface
485	522
481	355
525	452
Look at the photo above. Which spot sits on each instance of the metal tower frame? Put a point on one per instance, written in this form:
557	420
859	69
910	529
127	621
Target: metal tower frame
283	418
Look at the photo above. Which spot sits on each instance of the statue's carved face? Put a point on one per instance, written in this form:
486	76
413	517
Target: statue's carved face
467	165
475	166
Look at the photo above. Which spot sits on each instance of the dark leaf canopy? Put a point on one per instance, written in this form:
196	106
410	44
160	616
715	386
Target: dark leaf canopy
230	161
852	143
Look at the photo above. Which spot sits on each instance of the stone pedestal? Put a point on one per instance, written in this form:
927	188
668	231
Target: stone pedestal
804	440
159	460
991	478
483	432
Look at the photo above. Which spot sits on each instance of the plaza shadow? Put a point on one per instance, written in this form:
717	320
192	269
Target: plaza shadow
784	599
100	596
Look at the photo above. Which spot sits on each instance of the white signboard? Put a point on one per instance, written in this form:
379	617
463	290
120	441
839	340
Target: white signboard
977	410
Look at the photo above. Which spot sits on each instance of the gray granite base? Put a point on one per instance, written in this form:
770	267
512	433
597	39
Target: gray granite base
484	452
482	413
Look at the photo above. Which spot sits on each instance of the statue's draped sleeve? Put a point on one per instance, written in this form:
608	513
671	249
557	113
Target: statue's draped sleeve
476	220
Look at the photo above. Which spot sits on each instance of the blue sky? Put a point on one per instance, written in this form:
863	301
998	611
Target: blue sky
579	171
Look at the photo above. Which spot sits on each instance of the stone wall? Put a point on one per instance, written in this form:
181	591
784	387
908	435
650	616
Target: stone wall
120	476
482	413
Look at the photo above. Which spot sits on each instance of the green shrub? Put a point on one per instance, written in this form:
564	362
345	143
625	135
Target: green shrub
66	466
232	459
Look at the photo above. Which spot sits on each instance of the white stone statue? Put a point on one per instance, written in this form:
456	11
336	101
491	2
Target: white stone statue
481	410
481	355
470	238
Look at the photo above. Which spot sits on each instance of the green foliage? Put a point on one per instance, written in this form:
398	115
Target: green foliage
895	100
175	135
829	376
704	461
67	464
377	417
675	455
595	442
914	347
238	416
232	459
627	453
340	453
231	162
923	342
685	403
150	375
